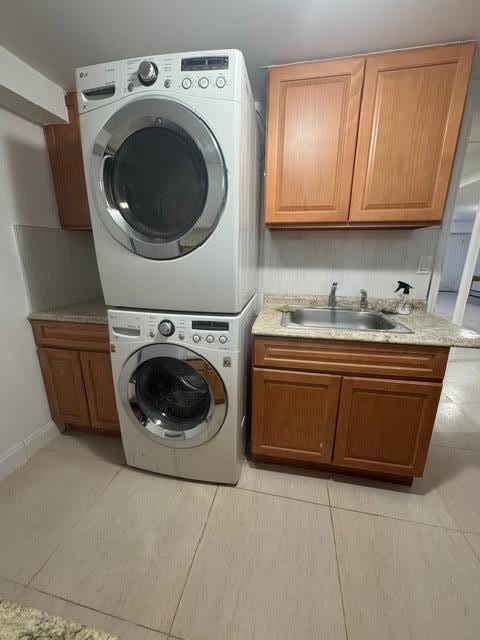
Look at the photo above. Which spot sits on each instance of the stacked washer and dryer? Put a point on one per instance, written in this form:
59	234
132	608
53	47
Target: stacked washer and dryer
171	156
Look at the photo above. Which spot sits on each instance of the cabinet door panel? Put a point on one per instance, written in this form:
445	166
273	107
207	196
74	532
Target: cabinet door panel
294	414
65	152
412	108
385	425
311	135
97	373
62	374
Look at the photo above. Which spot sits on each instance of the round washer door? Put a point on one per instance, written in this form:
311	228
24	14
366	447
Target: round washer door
159	178
173	395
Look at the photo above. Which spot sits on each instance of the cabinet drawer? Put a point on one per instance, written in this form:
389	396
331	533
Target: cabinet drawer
402	361
71	335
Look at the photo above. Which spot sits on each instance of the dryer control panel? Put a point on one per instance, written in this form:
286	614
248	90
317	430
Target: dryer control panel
202	331
213	74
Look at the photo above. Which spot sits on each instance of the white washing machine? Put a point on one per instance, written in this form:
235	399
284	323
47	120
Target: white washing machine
181	390
171	156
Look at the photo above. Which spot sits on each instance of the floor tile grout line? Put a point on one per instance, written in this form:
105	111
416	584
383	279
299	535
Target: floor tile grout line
75	525
444	502
475	552
338	574
90	608
279	495
193	560
368	513
381	515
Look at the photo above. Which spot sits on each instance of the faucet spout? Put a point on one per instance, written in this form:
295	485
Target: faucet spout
363	300
332	298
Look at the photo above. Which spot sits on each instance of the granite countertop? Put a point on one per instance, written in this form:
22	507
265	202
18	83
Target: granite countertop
91	311
427	328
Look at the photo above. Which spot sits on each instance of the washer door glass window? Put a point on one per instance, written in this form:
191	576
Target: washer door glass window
159	178
174	395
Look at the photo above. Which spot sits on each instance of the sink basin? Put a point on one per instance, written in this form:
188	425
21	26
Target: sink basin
342	319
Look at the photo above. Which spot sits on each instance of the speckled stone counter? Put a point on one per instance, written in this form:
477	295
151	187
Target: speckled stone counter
20	623
427	328
91	311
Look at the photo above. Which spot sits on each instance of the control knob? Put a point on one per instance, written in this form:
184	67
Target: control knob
166	328
147	72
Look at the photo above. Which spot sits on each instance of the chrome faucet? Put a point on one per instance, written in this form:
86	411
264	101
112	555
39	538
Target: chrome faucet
332	298
363	300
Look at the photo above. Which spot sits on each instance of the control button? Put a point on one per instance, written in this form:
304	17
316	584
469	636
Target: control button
196	338
130	86
210	339
167	84
221	82
181	336
186	83
203	83
166	328
147	72
152	334
223	339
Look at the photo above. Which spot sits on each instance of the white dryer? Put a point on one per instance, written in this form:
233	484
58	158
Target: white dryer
171	156
181	390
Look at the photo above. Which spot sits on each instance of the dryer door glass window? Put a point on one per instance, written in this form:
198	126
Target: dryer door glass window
158	178
158	181
173	393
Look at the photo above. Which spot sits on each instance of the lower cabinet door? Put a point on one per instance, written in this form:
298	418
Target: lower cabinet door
294	414
385	425
62	373
97	373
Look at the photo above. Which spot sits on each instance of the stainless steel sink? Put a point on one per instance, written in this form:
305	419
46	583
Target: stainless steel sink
327	317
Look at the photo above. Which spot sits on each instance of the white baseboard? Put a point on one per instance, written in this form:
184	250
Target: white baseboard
12	459
41	437
21	452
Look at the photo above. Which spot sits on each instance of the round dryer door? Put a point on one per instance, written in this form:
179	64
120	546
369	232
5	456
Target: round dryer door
174	395
158	178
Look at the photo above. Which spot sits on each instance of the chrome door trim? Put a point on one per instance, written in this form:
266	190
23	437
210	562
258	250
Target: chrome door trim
168	437
158	112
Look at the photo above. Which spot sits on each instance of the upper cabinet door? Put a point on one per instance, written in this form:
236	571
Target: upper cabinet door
66	161
313	111
411	114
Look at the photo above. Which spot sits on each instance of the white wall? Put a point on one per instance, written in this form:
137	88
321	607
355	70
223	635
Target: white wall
28	93
27	199
309	261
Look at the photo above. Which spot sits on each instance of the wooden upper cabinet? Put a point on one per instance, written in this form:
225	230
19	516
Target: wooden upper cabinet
411	113
65	152
312	126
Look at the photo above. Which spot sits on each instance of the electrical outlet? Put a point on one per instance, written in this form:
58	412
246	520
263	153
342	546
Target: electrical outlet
424	267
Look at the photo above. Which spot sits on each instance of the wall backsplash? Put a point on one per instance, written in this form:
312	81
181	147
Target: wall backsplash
308	261
59	266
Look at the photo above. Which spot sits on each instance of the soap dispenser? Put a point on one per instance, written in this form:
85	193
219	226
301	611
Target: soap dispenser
404	306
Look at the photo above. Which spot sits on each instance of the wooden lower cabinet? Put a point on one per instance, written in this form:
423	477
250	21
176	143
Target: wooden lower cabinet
363	424
63	377
97	375
76	367
385	425
294	414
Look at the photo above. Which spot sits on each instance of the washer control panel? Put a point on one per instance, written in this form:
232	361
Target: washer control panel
200	331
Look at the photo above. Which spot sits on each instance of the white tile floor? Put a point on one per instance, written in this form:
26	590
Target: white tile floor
283	555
